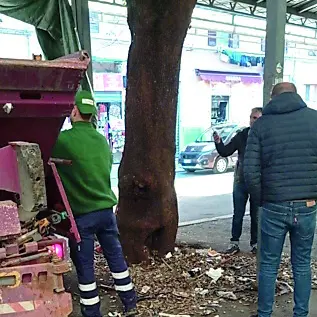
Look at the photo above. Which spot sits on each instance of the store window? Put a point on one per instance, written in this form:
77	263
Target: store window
212	38
219	109
221	39
111	125
233	41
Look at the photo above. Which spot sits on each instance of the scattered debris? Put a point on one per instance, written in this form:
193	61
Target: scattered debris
168	255
180	294
283	288
214	274
227	295
169	315
194	272
197	282
145	289
201	291
213	253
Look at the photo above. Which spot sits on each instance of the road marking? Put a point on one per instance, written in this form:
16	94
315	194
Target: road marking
204	220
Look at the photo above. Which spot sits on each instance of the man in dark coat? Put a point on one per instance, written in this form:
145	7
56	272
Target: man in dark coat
280	169
240	193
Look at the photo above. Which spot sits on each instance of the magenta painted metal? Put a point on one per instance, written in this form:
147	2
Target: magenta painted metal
60	75
73	230
9	176
35	99
31	247
10	222
38	291
41	94
12	249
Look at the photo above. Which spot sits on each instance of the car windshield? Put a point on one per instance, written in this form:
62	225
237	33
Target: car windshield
223	131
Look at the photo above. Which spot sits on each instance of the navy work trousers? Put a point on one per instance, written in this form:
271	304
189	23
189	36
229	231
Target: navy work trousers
103	225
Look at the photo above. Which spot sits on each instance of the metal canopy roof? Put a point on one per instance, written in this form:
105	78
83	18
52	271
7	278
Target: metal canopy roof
299	12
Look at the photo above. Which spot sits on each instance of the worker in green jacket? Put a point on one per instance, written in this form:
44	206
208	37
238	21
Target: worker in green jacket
88	188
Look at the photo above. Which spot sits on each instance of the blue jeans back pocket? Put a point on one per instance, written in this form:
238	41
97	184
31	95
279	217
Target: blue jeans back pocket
305	223
274	220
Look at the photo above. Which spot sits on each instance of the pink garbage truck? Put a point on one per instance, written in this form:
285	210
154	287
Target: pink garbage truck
35	99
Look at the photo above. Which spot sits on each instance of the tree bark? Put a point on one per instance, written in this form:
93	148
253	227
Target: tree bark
147	210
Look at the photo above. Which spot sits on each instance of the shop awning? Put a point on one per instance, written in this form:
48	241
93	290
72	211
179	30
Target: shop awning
229	77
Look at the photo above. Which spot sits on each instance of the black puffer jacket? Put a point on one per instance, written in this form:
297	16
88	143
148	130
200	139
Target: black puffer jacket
237	143
281	156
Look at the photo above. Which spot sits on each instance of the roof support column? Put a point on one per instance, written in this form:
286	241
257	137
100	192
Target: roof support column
81	17
274	46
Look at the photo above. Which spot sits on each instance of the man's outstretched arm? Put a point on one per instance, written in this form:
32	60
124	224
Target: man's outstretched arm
229	149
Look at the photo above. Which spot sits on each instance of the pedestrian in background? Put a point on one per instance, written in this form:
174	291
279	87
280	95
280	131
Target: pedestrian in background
280	169
240	192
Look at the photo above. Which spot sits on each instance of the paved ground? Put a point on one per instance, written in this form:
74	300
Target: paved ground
283	308
216	234
204	196
201	195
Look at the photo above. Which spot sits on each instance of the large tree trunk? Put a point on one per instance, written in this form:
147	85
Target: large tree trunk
147	212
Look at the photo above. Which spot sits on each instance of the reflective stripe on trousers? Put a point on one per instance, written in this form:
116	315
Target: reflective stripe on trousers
103	225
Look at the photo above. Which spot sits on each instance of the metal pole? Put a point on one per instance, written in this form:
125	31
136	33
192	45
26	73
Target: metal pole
82	31
274	45
86	74
82	23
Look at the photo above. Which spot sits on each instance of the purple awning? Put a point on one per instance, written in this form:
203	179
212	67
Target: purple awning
230	77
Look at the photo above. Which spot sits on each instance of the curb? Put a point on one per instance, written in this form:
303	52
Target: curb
204	220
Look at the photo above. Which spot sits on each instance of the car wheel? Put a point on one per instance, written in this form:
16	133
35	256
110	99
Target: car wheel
190	171
221	165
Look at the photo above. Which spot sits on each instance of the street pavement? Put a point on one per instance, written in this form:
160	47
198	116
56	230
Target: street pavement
205	210
201	195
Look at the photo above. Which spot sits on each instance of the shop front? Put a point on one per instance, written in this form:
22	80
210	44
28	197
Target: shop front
109	91
216	88
232	94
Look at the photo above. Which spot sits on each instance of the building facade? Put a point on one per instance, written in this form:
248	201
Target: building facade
221	76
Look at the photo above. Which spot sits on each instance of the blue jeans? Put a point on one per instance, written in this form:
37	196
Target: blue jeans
103	225
277	220
240	199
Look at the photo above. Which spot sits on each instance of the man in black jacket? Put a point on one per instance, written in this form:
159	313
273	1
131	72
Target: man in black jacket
240	193
280	169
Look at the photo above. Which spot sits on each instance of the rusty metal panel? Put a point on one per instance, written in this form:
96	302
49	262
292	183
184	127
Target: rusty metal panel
9	177
35	290
73	230
9	219
12	249
31	247
36	97
60	305
60	75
